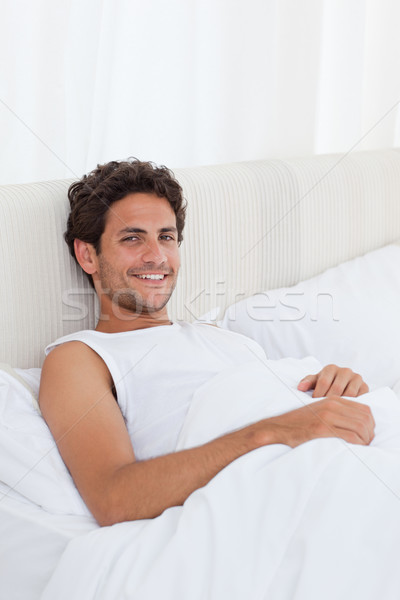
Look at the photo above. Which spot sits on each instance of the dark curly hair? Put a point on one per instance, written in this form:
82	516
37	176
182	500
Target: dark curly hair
91	197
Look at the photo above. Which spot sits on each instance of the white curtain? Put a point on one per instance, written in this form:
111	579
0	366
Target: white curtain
189	82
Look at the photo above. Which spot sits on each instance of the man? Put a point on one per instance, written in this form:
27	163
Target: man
115	398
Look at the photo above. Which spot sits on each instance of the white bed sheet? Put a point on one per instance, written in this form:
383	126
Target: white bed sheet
32	535
31	544
47	554
320	521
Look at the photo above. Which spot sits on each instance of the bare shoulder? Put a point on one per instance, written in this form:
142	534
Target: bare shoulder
73	355
74	378
73	364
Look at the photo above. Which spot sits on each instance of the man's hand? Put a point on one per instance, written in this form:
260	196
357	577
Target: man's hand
334	381
331	417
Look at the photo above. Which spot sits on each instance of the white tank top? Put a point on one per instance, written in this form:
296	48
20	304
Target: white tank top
157	370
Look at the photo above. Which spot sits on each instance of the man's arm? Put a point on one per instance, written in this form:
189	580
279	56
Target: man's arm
78	405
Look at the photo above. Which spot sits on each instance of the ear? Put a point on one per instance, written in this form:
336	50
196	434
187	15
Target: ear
86	256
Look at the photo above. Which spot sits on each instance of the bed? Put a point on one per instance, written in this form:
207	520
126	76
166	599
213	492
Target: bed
289	252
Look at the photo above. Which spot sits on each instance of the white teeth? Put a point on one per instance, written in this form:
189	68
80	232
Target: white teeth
150	276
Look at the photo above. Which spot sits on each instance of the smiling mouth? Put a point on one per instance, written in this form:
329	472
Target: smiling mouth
152	276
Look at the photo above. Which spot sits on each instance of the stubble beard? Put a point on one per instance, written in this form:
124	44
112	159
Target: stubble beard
131	301
126	298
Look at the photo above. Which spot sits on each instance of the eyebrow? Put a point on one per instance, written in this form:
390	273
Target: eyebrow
139	230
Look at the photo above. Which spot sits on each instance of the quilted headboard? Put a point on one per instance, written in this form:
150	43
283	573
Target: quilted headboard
250	227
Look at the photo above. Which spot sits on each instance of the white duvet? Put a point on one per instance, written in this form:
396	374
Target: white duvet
321	521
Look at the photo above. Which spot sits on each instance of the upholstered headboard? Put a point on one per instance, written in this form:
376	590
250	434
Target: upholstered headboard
250	227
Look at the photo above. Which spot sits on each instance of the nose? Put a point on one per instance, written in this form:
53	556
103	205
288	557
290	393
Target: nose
153	252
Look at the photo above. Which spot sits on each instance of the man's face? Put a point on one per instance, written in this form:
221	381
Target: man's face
138	262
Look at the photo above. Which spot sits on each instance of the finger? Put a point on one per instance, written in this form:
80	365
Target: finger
350	436
307	383
353	388
353	435
342	380
324	381
364	427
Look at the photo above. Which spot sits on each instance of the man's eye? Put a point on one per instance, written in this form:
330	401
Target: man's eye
167	237
130	238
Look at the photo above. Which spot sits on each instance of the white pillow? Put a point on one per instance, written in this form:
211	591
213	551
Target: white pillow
349	315
30	463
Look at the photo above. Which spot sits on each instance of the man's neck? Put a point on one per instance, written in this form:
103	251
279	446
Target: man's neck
117	319
121	326
142	321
